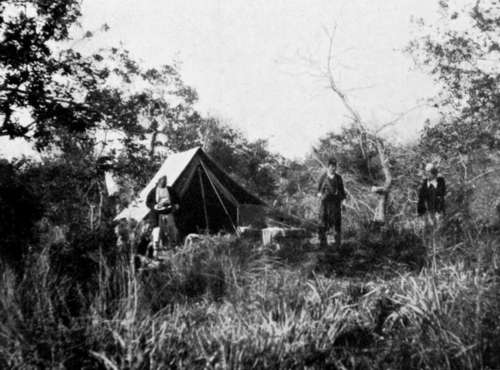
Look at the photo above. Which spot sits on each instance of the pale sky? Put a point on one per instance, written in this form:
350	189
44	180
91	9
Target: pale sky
246	59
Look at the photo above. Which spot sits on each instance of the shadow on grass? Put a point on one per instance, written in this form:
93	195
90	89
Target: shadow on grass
378	252
367	252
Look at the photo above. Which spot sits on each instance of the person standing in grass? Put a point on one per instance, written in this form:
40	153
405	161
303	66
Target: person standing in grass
332	193
163	202
431	196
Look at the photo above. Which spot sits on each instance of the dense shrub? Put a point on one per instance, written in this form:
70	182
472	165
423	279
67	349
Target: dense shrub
20	209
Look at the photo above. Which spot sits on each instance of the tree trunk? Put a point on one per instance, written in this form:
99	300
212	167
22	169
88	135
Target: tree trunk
382	191
154	136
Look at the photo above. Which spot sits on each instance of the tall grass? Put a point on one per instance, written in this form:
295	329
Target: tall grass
226	304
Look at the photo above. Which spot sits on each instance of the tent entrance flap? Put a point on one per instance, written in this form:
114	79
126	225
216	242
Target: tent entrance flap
205	207
219	197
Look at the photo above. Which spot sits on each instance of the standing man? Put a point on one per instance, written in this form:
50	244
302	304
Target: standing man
431	196
332	193
163	202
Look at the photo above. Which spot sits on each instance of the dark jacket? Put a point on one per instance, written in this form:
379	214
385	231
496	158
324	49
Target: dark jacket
151	202
431	199
331	189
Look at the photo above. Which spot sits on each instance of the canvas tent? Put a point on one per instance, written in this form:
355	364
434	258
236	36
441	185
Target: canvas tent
210	198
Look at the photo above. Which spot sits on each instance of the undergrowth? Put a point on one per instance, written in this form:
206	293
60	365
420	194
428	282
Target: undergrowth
225	303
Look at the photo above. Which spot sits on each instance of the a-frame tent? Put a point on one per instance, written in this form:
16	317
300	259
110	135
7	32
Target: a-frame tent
210	199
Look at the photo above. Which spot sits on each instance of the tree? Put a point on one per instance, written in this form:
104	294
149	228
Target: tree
31	73
462	52
361	162
49	92
250	162
368	138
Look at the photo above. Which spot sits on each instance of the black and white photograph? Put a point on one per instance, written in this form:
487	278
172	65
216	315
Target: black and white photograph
250	184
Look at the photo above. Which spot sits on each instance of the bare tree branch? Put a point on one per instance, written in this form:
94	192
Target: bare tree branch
481	175
398	118
352	89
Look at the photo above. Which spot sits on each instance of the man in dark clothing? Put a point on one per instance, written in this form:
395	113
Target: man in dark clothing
332	193
163	202
431	196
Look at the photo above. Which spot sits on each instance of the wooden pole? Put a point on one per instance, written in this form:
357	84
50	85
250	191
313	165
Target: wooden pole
204	199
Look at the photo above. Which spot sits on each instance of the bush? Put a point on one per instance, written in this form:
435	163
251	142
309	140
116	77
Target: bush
20	209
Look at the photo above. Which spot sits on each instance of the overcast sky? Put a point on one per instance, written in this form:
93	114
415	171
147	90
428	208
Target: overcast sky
247	59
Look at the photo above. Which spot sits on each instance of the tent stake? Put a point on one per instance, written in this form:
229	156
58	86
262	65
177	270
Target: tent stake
204	199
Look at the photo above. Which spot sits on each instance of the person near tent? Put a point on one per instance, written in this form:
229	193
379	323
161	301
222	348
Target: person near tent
163	202
431	196
332	193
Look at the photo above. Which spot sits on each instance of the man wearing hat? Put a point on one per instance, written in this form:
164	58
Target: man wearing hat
332	193
431	195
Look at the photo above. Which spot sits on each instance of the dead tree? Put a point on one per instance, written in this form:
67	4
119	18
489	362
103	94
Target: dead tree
366	138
